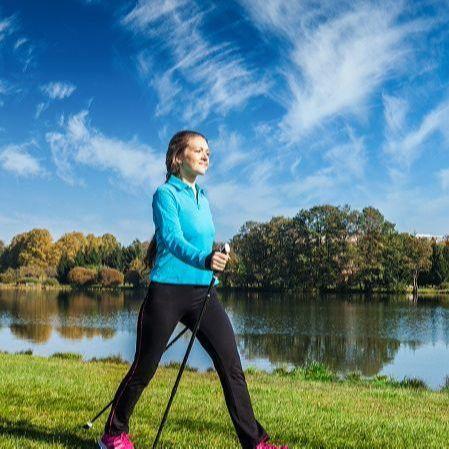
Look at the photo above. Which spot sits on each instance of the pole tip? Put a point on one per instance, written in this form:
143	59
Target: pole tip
227	248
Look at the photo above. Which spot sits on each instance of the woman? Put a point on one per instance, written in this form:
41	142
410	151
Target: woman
181	250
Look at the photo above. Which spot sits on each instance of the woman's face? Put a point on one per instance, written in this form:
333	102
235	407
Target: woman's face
196	157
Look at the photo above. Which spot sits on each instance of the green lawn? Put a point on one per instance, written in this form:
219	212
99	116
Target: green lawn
44	402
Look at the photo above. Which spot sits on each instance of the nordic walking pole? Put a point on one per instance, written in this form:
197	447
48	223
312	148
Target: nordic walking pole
226	250
89	424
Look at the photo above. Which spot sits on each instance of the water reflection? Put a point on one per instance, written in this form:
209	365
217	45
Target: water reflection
342	354
348	333
35	332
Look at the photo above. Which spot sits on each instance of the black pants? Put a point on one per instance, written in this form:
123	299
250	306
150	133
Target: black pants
164	306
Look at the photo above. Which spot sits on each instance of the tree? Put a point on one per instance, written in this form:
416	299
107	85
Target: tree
418	251
70	244
2	252
250	247
394	271
327	246
34	247
131	252
371	243
108	248
92	250
439	270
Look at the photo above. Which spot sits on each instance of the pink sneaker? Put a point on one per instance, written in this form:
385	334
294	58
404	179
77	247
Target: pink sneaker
121	441
264	445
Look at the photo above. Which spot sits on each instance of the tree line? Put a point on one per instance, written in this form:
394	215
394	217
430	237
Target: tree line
33	257
325	248
334	248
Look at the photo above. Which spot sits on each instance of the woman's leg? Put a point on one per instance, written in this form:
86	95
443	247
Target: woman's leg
158	316
217	337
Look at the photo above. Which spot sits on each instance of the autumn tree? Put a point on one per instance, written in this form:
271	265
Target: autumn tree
33	248
69	245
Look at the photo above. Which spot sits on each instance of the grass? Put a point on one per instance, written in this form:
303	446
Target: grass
45	401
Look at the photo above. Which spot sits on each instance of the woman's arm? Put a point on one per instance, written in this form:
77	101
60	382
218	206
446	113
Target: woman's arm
165	216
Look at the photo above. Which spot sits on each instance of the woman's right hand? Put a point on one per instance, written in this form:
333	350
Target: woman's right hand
218	261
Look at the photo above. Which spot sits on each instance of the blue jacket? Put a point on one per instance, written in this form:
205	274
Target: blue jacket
184	234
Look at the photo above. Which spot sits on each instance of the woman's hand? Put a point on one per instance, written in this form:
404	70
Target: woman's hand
218	261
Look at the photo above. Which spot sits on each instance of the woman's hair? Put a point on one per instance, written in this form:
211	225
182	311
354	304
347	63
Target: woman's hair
176	147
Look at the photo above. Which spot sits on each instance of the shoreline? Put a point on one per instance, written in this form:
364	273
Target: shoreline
315	371
423	291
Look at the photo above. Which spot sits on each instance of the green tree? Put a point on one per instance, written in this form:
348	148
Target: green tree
2	252
108	249
131	252
250	250
394	272
371	242
92	250
328	245
418	252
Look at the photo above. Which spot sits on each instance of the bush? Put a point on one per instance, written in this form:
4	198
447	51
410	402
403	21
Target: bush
81	276
110	277
51	282
413	383
67	356
133	277
32	271
10	276
116	359
318	371
51	272
29	280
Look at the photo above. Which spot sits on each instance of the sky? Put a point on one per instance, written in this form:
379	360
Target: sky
303	103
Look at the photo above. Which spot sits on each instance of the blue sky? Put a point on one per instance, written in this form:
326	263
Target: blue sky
303	103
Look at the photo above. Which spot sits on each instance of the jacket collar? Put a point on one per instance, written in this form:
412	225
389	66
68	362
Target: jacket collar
180	184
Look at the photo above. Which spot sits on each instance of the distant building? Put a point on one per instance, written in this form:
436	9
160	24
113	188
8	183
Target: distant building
437	238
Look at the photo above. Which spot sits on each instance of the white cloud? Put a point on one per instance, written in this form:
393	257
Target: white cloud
395	110
228	152
58	90
348	161
405	146
41	107
443	175
340	54
215	77
4	90
79	142
264	189
21	41
6	26
16	159
147	12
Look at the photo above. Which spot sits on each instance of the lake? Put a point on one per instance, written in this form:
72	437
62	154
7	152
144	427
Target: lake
381	335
